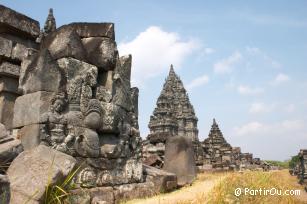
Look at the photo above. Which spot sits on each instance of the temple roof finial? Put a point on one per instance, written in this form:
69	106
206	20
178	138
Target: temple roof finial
50	24
172	71
214	122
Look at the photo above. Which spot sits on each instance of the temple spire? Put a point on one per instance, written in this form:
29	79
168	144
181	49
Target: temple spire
50	24
172	71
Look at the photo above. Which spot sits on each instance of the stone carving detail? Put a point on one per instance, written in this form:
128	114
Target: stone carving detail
173	116
93	114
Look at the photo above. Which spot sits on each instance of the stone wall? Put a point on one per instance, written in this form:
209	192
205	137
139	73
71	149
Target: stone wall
17	33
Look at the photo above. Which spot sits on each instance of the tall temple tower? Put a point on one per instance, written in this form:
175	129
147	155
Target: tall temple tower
174	114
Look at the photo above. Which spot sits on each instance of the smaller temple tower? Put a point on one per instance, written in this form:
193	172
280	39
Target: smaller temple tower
217	151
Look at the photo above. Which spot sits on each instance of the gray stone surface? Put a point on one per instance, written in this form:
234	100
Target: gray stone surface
9	151
7	101
101	52
8	84
43	74
93	195
179	159
3	132
12	21
6	47
131	191
13	50
36	105
86	30
65	43
33	170
29	136
163	181
9	69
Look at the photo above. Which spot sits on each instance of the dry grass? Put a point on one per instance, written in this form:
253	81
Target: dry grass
200	187
220	187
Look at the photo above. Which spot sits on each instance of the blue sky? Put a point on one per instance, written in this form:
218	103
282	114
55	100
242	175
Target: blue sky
243	62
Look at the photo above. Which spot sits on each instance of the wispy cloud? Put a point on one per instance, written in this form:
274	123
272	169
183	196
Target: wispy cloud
259	107
227	64
290	108
199	81
255	51
247	90
246	129
256	128
280	78
154	50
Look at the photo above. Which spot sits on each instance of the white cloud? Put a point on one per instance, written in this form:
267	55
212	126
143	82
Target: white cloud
280	78
248	128
256	108
292	125
204	79
154	50
246	90
209	50
279	128
226	65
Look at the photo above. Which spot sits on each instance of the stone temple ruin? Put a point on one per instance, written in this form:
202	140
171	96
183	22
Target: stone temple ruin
67	107
173	116
220	155
66	95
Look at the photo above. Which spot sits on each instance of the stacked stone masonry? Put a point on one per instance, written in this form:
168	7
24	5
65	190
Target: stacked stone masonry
17	34
66	93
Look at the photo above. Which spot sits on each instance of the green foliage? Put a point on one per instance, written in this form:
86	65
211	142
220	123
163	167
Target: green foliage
281	164
56	194
294	160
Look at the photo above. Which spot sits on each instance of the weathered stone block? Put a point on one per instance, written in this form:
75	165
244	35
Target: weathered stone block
18	52
7	101
30	136
43	74
163	181
179	159
94	195
6	46
86	30
132	191
12	21
8	84
33	170
9	151
29	43
9	69
36	104
101	52
63	43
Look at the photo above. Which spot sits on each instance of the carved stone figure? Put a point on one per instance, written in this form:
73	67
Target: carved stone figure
54	129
